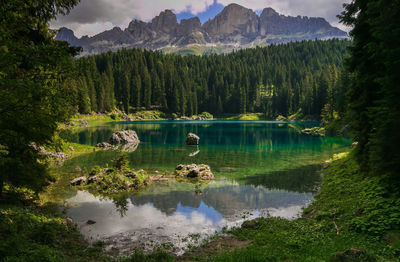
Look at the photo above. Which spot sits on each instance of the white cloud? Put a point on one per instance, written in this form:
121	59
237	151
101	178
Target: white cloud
90	17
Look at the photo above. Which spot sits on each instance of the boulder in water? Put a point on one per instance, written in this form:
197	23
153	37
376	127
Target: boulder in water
192	139
124	137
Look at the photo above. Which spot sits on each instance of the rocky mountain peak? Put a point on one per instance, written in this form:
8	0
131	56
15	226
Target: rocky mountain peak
234	27
233	19
68	35
165	22
190	25
269	12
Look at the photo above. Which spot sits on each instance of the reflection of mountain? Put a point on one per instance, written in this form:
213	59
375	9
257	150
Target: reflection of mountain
225	197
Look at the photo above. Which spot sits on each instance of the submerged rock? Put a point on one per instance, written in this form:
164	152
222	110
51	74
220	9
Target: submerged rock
124	137
90	222
192	139
194	171
78	181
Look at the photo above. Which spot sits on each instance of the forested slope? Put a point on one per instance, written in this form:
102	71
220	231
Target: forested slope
278	79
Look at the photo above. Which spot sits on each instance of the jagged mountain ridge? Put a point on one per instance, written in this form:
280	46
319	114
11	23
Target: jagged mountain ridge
234	27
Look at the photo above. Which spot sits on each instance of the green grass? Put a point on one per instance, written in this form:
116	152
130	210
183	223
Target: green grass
350	211
244	117
31	232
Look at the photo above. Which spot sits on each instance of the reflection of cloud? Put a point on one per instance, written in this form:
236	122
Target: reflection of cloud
286	212
146	223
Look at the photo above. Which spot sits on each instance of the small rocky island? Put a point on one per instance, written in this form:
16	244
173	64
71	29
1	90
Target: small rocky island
201	171
108	181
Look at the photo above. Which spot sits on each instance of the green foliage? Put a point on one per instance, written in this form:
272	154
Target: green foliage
296	116
278	79
28	235
37	89
206	115
120	162
365	215
374	108
139	256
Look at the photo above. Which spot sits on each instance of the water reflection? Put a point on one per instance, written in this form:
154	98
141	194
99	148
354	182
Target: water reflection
262	168
249	148
170	212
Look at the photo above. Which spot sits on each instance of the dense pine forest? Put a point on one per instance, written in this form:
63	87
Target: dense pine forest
275	80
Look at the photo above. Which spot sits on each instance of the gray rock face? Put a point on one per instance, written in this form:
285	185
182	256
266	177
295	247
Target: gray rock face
192	139
272	23
124	137
233	27
201	171
233	21
78	181
166	22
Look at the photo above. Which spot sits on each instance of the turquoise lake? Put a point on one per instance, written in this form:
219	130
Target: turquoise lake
262	168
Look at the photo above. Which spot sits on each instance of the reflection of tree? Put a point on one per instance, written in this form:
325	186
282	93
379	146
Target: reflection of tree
121	203
225	197
301	179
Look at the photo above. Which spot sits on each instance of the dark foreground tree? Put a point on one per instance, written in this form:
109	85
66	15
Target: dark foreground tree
35	93
375	94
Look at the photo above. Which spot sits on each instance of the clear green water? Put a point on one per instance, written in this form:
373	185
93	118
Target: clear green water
261	168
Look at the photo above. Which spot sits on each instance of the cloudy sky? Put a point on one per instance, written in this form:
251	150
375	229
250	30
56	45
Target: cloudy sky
94	16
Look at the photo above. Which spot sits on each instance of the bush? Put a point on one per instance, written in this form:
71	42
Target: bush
206	115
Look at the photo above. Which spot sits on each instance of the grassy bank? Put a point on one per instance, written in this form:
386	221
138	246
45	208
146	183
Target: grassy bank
350	211
30	231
